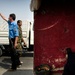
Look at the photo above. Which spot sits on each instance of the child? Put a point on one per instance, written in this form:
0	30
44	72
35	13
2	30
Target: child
20	40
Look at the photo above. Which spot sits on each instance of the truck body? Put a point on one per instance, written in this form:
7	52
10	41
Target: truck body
4	35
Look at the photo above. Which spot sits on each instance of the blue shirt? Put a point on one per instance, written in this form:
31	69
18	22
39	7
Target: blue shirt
13	29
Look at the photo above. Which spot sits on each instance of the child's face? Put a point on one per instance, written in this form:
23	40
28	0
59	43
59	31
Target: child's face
10	18
20	24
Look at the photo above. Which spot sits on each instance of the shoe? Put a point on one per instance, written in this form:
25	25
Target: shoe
19	66
21	62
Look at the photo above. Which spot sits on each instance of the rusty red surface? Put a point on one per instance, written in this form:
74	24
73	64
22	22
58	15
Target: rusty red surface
54	32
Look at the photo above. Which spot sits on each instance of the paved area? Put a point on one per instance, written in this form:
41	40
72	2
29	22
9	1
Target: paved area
26	68
57	74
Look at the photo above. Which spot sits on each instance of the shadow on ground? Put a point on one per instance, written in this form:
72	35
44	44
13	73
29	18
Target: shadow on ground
19	72
5	63
6	60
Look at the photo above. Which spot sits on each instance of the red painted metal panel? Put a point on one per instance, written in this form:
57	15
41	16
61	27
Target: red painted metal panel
54	32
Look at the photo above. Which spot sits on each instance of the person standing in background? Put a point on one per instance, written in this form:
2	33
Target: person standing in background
13	39
20	40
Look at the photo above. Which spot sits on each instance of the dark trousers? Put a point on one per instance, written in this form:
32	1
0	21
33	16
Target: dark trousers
14	55
66	70
69	68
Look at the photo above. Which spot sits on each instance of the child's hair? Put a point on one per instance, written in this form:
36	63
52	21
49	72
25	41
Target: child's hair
13	16
19	21
69	50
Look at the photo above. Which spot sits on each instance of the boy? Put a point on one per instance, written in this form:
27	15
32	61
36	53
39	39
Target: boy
13	39
20	40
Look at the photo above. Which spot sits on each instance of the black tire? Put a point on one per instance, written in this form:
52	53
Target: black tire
1	52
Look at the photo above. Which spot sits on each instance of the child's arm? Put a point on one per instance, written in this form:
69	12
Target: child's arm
23	41
3	17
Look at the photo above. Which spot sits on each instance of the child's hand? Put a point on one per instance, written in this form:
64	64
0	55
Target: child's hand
15	45
25	44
